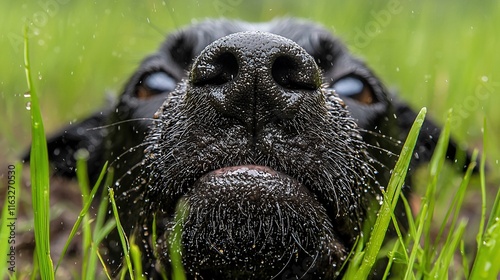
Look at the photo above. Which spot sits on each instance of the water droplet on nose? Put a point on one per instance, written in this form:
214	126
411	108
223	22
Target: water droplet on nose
28	105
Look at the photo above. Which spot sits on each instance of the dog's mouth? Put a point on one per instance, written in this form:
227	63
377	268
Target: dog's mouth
258	221
284	201
249	184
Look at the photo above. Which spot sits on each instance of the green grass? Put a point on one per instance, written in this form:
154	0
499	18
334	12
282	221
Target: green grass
39	170
90	243
438	54
421	255
367	257
123	237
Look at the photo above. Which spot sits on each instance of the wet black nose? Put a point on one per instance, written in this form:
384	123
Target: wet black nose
255	77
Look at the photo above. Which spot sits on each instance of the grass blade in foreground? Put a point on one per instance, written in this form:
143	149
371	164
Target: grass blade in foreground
135	253
121	233
391	197
101	229
86	206
175	245
39	167
488	256
422	253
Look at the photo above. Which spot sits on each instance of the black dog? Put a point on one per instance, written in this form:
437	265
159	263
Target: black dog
276	137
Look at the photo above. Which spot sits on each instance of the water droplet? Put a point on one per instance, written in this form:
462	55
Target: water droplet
484	78
487	266
28	105
27	94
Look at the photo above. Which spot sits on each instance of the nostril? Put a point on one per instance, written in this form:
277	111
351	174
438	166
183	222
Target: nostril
288	73
224	69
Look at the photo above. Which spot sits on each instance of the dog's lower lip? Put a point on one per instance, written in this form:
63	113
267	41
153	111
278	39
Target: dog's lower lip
269	215
240	169
248	178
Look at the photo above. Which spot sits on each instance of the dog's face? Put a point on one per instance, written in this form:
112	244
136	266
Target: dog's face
274	135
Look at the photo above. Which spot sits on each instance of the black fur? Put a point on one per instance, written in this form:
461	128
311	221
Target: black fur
277	170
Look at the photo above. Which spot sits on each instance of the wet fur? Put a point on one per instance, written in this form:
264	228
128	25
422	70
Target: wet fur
340	149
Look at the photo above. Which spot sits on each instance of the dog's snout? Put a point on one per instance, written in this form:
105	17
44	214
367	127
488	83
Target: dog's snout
255	77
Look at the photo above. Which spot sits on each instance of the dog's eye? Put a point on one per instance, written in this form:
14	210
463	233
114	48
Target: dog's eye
155	83
355	88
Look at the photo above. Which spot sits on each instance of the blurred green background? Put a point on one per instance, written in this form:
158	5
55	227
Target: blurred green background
438	54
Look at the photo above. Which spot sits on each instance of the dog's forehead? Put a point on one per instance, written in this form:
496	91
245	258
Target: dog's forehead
185	44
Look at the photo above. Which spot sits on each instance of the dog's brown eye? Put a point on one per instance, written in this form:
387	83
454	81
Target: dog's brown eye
355	88
155	83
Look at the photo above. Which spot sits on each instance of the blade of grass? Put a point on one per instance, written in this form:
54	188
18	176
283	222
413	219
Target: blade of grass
416	245
9	214
458	199
135	253
105	269
121	233
483	191
435	168
36	267
154	238
391	256
411	225
356	255
397	254
82	214
442	264
105	230
175	241
354	259
100	229
487	259
465	260
39	167
83	182
390	198
425	217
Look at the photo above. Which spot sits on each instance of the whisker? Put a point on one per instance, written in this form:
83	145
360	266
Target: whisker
122	122
391	139
129	150
129	171
312	264
371	146
285	266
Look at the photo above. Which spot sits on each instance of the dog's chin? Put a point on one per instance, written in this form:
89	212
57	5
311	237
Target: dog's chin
254	222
